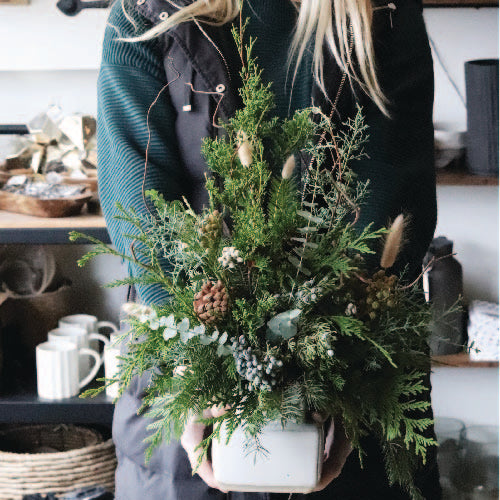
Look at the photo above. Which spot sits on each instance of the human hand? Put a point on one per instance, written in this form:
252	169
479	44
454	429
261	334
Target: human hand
191	437
337	449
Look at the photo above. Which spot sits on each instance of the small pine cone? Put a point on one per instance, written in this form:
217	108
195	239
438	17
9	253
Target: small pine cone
211	302
210	229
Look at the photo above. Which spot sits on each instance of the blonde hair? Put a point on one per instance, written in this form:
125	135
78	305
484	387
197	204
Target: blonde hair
352	19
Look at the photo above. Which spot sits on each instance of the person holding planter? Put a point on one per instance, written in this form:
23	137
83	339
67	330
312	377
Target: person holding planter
163	89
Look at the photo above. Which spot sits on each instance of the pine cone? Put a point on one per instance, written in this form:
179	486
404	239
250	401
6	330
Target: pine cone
210	229
380	294
210	303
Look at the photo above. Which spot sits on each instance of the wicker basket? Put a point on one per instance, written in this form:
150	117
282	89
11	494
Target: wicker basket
53	459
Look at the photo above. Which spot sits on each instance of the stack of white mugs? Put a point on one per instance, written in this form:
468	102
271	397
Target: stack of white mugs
71	357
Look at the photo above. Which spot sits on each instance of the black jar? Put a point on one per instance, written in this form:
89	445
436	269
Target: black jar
445	294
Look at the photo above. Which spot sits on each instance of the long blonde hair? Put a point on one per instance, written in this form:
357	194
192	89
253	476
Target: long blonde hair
315	19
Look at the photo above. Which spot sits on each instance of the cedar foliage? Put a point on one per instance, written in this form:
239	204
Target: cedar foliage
300	293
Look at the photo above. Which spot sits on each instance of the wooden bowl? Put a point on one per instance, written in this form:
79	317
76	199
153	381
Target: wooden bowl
29	205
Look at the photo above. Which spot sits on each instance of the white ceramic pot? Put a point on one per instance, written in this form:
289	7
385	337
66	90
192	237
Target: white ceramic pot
292	463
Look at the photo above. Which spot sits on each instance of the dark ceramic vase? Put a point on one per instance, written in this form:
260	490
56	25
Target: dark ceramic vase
481	84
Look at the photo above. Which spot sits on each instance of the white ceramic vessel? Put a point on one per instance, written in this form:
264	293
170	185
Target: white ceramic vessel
57	369
81	340
92	325
292	463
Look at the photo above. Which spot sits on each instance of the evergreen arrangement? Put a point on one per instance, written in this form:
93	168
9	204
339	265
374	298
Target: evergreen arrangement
274	311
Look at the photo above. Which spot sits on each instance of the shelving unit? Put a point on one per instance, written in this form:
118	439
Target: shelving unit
460	3
461	360
24	405
26	229
72	45
456	177
27	407
49	47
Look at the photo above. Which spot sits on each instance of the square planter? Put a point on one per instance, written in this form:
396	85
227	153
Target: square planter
292	463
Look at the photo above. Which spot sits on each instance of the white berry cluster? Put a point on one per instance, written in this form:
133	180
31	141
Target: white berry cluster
260	374
230	257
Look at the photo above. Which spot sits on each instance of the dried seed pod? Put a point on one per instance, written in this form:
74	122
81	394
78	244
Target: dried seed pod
245	149
392	242
288	167
381	294
210	229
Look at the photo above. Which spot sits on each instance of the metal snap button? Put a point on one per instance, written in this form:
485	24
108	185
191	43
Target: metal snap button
220	88
140	2
163	16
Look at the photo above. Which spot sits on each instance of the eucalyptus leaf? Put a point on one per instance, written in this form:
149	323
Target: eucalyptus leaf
205	340
299	251
309	204
169	333
199	329
187	335
223	350
307	229
296	262
283	325
306	243
310	217
168	321
183	326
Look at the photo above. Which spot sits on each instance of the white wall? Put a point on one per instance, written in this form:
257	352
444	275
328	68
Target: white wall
46	59
23	94
469	394
46	39
469	217
459	35
88	294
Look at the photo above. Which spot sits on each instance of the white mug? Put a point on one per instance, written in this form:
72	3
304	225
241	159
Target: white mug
91	324
57	369
111	365
81	340
87	321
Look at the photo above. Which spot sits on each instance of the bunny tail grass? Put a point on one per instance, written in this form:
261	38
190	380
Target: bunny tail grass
393	242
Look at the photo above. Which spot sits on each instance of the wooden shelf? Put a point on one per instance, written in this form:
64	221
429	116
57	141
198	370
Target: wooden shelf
461	360
18	228
460	3
29	408
445	177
